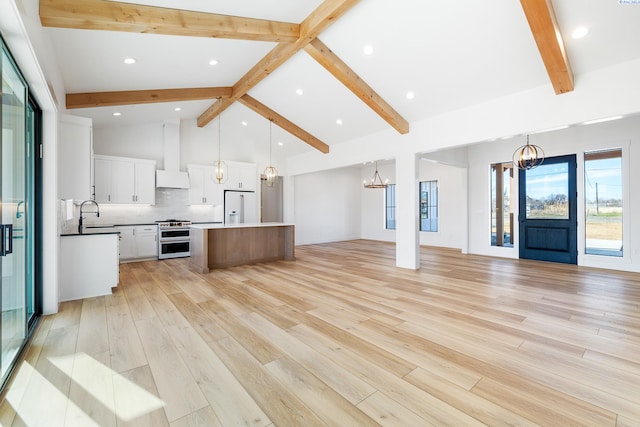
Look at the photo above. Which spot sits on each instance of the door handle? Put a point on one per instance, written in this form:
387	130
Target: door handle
18	213
6	234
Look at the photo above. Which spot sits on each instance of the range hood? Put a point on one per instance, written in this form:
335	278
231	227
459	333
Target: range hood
171	177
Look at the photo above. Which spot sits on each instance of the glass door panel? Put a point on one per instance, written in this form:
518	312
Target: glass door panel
548	192
12	213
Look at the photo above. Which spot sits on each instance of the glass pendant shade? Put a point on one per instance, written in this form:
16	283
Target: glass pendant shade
270	172
376	181
221	173
271	175
528	156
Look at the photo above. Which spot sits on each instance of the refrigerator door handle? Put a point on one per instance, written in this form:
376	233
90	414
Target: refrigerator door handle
242	209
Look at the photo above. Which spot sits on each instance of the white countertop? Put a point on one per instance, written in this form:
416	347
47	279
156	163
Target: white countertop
208	226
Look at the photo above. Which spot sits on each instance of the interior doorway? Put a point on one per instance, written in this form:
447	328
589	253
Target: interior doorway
271	205
548	211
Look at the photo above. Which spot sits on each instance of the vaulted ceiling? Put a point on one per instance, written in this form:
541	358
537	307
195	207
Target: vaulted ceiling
448	54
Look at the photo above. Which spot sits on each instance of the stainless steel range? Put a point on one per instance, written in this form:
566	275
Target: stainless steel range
174	238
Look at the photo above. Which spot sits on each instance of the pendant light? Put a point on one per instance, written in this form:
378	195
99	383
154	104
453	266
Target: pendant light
270	173
221	173
528	156
376	181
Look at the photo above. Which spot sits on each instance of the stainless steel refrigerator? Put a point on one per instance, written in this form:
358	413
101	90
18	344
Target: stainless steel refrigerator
240	207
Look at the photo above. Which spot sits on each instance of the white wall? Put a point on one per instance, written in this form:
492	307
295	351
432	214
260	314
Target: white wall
452	199
327	206
197	145
143	141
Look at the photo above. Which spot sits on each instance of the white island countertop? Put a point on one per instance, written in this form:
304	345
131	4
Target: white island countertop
207	226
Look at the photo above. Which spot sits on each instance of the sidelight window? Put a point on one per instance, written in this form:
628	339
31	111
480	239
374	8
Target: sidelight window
501	208
603	202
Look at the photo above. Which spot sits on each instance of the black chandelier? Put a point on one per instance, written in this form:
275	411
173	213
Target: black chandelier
376	181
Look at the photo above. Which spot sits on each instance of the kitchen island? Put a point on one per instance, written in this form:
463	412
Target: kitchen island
226	245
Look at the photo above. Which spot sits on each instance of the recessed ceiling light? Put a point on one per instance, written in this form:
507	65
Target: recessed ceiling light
280	143
339	121
116	114
410	95
368	50
177	109
129	61
299	91
213	62
580	32
244	123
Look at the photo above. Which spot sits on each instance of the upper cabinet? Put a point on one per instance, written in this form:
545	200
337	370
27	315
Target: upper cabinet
202	188
74	157
124	180
242	176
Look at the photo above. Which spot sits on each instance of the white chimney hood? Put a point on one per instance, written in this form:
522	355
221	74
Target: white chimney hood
171	177
168	179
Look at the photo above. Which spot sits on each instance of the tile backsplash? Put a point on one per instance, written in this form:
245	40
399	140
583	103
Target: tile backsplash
170	203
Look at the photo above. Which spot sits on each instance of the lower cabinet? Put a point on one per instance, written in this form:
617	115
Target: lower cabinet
88	265
138	242
127	242
146	241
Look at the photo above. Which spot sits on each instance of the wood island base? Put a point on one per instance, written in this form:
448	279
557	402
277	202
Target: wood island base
220	246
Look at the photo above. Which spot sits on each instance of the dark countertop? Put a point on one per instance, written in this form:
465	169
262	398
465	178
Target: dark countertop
110	229
92	231
135	225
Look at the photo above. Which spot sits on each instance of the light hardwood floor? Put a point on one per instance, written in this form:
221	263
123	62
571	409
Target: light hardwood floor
341	337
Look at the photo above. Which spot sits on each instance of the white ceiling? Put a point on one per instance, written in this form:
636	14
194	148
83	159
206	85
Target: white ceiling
451	54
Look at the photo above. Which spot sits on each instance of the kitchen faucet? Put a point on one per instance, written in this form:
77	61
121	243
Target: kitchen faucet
81	206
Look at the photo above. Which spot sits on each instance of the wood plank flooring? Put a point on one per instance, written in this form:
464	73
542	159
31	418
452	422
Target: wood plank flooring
341	337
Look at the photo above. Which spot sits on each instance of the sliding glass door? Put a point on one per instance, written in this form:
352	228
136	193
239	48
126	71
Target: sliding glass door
16	223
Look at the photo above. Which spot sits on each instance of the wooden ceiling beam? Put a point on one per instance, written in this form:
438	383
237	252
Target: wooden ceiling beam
332	63
135	18
544	26
108	99
285	124
320	19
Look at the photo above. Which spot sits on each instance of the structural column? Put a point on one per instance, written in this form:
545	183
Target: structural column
407	232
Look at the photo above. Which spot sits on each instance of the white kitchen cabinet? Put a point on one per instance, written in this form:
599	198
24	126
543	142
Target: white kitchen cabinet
127	242
203	190
124	180
145	182
138	242
146	241
242	176
74	157
88	265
